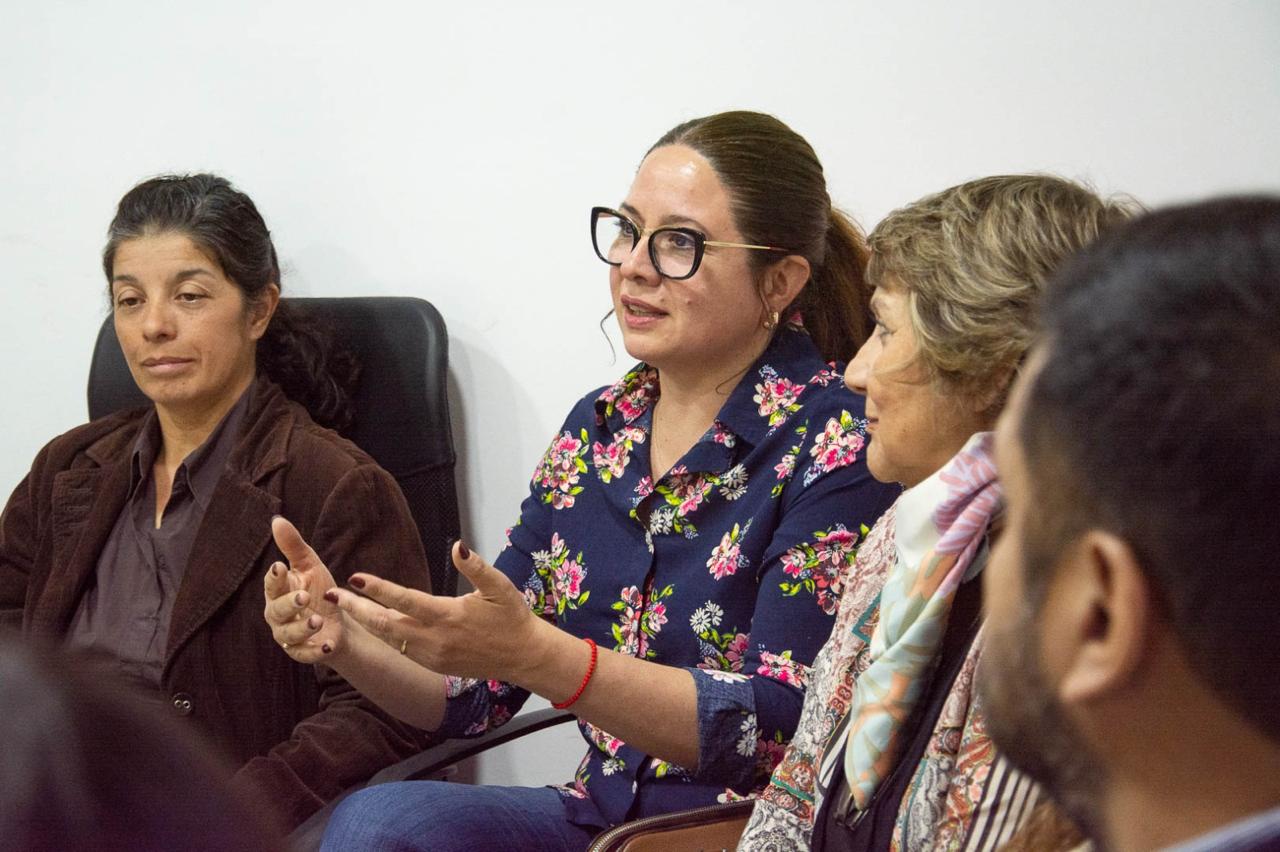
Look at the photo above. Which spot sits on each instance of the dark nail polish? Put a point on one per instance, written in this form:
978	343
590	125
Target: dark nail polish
331	596
462	549
356	582
326	649
275	569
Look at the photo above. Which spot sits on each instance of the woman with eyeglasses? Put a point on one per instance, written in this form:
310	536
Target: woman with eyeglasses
679	557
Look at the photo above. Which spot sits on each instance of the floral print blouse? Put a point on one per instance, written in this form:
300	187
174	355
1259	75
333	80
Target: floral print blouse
724	565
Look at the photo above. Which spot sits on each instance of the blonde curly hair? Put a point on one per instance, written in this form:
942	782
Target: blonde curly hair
973	260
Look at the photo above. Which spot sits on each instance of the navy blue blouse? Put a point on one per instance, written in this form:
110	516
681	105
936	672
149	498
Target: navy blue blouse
730	565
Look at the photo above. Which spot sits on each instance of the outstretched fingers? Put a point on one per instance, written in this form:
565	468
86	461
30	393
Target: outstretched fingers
413	603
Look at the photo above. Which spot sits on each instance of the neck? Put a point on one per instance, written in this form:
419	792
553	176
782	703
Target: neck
1197	766
688	403
184	429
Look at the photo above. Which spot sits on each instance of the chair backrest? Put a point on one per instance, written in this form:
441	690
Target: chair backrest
401	404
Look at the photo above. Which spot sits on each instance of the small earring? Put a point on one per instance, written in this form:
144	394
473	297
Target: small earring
772	321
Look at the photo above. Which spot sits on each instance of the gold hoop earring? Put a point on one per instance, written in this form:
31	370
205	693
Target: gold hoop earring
771	322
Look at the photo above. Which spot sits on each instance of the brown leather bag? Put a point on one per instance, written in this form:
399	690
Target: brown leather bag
714	828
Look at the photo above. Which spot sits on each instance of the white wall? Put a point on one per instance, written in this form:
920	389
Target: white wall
452	151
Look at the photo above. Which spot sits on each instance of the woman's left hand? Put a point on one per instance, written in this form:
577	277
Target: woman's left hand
483	634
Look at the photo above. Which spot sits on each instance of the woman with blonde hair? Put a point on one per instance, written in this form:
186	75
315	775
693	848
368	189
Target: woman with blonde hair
892	750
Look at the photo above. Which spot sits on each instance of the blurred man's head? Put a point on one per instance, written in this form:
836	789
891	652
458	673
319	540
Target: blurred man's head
1135	592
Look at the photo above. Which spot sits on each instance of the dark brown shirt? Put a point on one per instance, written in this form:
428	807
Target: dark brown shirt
125	613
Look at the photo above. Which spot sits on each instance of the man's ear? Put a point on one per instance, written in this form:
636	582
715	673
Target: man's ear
262	309
783	281
1101	609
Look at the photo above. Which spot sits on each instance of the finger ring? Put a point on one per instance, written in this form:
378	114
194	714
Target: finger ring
404	646
284	645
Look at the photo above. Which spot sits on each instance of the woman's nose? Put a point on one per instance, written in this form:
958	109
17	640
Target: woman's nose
157	320
857	371
638	266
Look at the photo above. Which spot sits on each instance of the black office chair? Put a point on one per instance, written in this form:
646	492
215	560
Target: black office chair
401	405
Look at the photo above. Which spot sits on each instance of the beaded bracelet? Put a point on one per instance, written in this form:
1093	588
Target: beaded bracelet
591	669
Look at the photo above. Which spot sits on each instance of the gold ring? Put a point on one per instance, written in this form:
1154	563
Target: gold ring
284	645
404	646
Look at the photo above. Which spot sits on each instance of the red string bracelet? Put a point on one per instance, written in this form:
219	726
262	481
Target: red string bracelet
591	669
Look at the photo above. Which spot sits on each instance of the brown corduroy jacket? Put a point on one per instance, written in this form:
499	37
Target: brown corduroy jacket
300	734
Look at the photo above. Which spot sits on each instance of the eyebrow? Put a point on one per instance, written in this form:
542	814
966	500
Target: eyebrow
669	220
180	275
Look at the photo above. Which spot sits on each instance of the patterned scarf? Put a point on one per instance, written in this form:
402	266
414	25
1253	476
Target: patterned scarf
941	524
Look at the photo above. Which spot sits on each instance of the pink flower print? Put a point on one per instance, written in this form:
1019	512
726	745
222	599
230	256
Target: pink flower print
821	566
639	620
786	467
794	560
775	396
837	546
837	446
782	668
657	617
689	494
568	579
826	375
727	557
633	403
560	468
531	600
610	460
736	650
721	435
605	741
644	487
631	394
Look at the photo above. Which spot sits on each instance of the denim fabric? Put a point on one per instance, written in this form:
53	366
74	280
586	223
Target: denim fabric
444	817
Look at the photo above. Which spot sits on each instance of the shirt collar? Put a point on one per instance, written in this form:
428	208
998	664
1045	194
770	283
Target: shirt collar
770	392
202	468
766	396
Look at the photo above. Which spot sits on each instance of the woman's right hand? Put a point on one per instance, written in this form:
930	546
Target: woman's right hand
308	626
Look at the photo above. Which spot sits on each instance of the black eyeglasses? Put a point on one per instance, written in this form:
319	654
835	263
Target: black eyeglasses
676	252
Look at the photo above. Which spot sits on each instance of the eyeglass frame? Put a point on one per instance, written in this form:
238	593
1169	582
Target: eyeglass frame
700	242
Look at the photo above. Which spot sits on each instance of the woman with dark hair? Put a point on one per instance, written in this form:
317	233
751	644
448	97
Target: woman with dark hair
675	565
139	537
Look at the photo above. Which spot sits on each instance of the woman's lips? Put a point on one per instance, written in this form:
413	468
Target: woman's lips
639	315
166	366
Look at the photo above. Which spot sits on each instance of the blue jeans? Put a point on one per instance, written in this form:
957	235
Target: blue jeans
443	817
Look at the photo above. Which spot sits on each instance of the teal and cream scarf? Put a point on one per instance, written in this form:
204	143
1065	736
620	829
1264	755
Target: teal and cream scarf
941	525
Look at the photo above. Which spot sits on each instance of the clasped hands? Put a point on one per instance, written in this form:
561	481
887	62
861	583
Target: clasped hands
483	634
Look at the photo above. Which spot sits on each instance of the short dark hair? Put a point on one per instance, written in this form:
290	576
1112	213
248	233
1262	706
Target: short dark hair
779	198
1154	416
224	223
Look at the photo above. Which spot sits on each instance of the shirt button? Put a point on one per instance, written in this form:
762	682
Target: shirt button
182	704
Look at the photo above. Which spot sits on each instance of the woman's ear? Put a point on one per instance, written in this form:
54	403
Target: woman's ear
262	309
990	400
783	281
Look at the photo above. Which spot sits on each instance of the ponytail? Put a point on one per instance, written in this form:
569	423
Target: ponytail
835	304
